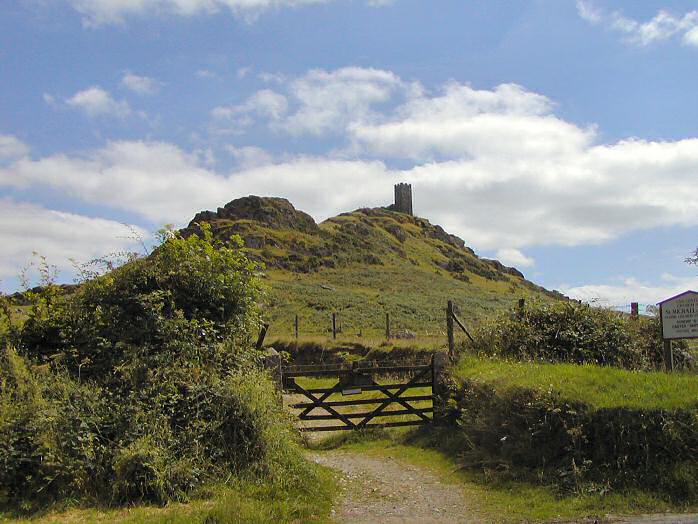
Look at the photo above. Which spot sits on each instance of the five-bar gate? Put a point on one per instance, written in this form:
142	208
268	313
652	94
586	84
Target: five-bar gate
395	399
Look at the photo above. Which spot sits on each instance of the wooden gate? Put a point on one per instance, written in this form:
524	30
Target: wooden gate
390	400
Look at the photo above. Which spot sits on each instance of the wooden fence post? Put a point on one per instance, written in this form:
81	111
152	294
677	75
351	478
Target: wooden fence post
449	330
387	326
668	356
521	306
334	325
295	327
634	309
439	389
262	335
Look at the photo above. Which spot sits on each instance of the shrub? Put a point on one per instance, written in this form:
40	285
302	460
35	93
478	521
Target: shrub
142	384
577	333
537	435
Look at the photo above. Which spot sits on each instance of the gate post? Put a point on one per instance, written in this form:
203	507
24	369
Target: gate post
272	363
438	387
449	330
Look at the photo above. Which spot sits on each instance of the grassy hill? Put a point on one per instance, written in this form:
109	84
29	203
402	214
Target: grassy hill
362	265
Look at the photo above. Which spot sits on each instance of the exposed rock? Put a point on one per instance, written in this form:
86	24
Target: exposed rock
502	268
273	212
255	241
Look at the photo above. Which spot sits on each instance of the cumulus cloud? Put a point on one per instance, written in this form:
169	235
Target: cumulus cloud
249	156
497	167
463	122
95	102
101	12
12	148
266	104
663	26
329	100
60	237
142	85
317	102
627	290
514	257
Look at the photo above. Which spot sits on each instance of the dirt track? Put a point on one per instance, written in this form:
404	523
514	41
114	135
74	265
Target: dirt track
384	490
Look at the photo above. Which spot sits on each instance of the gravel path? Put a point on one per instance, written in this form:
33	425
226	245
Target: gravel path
385	490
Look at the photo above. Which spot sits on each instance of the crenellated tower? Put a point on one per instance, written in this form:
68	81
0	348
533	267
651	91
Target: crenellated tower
403	198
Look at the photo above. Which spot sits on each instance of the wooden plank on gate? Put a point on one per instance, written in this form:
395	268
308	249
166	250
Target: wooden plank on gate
394	413
393	397
377	387
384	425
359	401
320	404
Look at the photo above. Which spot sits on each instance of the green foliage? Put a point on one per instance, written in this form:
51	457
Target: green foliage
580	428
529	434
578	333
182	301
142	385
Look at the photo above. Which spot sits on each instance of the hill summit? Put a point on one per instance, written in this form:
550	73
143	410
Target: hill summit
364	263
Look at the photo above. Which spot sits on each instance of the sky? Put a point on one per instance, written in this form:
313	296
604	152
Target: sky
557	136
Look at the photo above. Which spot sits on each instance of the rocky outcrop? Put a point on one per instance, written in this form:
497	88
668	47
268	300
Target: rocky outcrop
272	212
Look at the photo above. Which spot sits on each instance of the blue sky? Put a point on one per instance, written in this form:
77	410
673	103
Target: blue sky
558	136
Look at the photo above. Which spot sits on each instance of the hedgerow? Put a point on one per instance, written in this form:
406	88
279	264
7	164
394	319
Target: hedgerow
567	331
536	435
142	384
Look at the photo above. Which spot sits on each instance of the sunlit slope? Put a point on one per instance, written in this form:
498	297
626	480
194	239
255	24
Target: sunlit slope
363	265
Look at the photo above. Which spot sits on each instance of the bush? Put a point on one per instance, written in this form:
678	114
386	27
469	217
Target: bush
519	432
577	333
142	384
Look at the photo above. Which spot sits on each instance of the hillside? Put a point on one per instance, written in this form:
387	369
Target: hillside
363	264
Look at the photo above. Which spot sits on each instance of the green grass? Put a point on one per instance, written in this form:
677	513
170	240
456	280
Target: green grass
239	502
356	265
499	501
599	387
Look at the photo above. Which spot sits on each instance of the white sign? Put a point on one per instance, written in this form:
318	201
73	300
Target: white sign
680	316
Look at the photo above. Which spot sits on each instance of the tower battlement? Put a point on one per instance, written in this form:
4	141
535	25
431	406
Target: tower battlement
403	198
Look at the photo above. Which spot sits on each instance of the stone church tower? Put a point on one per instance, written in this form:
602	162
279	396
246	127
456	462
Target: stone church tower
403	198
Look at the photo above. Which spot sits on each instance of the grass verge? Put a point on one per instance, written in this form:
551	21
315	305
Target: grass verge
240	501
596	386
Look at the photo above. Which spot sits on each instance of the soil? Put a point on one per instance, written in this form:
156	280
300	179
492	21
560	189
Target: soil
385	490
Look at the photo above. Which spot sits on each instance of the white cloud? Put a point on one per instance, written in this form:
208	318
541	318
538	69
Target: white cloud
49	99
205	73
663	26
319	101
27	228
266	104
630	289
101	12
497	167
95	101
142	85
249	156
461	122
156	180
12	148
329	100
514	257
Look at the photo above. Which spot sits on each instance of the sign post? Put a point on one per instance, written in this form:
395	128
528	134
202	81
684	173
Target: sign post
679	319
